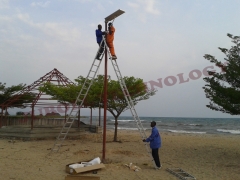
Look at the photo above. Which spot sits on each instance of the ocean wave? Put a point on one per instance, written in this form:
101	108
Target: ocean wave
122	120
147	120
123	128
229	131
193	124
186	132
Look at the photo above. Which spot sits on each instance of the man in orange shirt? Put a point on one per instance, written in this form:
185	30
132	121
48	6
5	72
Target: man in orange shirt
110	38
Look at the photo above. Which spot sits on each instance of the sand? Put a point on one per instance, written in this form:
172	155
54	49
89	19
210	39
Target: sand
210	157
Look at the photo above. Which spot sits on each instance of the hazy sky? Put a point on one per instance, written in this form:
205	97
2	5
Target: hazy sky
158	41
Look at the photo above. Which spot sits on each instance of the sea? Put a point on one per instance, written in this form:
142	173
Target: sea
186	125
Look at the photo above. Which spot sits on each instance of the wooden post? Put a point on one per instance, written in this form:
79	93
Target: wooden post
91	116
78	117
32	117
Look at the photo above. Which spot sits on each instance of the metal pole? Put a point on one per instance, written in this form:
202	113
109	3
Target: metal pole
107	19
32	117
91	116
105	103
78	117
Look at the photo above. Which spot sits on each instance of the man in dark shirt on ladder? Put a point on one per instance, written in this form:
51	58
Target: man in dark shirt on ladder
99	35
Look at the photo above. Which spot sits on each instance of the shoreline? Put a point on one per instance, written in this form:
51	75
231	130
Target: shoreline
178	133
204	156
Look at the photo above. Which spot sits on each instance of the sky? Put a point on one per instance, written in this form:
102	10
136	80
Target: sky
159	41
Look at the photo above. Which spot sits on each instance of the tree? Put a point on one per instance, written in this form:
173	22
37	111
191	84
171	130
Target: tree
7	93
116	102
223	88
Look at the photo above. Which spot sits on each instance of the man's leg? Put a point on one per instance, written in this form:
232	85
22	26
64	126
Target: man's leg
98	54
156	157
111	48
102	48
100	51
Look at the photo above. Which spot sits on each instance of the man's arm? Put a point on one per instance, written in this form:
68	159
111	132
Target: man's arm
153	135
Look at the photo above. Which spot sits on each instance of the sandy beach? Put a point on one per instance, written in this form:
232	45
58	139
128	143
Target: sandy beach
206	157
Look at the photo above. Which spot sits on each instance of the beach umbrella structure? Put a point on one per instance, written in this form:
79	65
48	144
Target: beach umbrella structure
40	102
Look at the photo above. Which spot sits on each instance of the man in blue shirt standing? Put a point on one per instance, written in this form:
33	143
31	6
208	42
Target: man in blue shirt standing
155	143
99	35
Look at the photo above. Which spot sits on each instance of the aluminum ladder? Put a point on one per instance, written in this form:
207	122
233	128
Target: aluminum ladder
79	101
83	93
130	105
181	174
